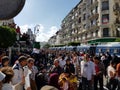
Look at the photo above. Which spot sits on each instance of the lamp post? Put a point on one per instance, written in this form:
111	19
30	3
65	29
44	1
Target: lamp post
36	32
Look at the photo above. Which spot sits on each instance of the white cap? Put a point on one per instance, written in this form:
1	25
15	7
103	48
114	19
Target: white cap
2	76
47	87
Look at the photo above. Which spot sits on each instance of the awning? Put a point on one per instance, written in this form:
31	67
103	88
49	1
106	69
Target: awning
97	41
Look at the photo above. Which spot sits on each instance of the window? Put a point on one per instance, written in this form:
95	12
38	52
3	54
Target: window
91	34
86	36
105	18
91	22
79	11
96	33
84	16
94	22
105	5
96	9
105	32
73	25
84	26
91	1
79	21
76	14
72	17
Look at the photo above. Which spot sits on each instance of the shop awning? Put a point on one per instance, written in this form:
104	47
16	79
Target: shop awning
96	41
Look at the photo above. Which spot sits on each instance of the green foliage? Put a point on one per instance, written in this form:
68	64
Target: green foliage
117	40
7	36
37	45
73	43
46	45
58	45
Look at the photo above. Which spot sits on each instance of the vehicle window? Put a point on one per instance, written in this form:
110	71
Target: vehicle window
115	50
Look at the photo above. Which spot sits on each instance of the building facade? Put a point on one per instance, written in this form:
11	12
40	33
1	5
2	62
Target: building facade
6	22
52	40
31	35
92	21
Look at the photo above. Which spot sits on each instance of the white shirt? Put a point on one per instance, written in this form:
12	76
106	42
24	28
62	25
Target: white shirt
103	58
62	63
34	70
87	69
7	86
110	69
27	73
18	74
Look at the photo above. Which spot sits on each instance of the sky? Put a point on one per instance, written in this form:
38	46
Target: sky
48	14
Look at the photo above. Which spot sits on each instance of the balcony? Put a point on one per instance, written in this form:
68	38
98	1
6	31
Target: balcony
117	21
94	16
94	4
116	9
93	27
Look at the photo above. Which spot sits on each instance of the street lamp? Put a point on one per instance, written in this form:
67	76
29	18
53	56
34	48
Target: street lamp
36	30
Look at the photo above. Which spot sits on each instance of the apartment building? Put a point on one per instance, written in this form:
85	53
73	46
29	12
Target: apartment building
6	22
92	21
52	40
31	35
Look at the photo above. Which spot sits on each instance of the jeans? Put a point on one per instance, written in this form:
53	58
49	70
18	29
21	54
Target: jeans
98	79
86	84
118	83
112	84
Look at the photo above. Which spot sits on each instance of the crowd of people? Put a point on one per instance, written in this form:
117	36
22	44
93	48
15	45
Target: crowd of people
59	70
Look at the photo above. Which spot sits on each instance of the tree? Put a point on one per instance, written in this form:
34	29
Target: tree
36	45
73	43
117	40
7	36
46	45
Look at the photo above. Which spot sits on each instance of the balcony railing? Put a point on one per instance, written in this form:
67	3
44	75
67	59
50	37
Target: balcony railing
117	21
116	9
93	27
94	16
94	4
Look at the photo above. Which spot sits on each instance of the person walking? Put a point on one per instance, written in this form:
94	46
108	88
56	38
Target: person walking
87	72
34	71
19	75
99	69
112	80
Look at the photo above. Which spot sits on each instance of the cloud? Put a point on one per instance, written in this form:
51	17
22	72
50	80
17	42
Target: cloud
40	31
44	36
24	28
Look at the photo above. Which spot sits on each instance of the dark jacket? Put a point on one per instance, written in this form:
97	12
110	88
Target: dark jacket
69	68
